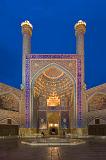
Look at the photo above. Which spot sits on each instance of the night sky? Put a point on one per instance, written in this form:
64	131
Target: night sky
53	32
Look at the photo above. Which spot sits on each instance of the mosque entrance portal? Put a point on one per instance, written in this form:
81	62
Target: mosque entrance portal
52	101
54	83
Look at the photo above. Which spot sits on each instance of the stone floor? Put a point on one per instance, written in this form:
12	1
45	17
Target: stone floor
12	149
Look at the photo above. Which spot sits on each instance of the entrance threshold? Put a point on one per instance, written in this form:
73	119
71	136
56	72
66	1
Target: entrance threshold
48	142
52	144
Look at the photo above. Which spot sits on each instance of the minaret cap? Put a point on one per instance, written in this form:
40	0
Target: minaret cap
26	23
27	27
80	26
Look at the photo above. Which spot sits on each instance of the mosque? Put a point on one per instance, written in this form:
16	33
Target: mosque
53	98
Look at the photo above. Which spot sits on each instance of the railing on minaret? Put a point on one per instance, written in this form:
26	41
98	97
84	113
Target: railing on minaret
27	33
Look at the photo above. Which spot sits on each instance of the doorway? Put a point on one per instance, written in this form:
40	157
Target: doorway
53	131
53	122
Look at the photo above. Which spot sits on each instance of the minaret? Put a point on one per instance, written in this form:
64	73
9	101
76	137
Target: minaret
27	33
80	29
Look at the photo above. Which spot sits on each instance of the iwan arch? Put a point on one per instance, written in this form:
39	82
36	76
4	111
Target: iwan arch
54	87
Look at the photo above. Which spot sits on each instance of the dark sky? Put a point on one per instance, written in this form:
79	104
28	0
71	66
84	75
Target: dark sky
53	32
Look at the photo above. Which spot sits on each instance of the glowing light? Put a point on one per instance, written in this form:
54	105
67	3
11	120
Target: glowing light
53	100
80	22
53	125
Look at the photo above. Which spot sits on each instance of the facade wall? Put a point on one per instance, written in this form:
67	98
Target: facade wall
18	118
95	109
14	116
96	104
11	105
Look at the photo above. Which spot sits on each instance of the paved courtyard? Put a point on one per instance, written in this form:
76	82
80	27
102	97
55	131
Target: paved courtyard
91	150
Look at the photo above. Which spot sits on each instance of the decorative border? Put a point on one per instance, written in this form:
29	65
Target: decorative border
53	56
79	95
27	92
